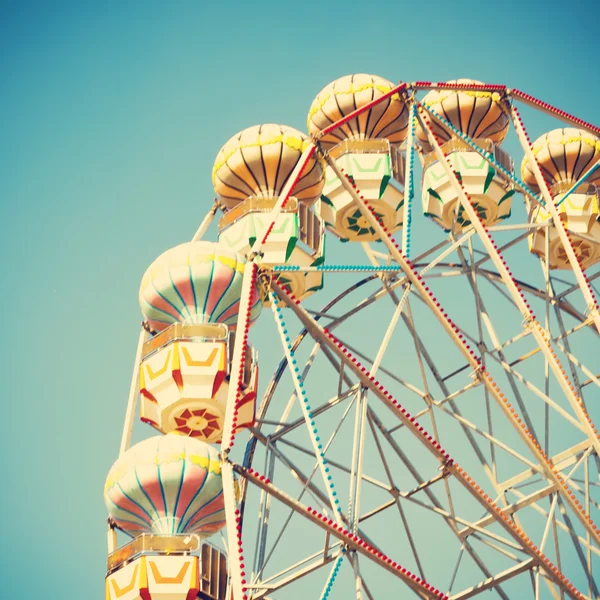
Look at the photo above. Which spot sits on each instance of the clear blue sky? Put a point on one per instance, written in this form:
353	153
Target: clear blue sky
111	116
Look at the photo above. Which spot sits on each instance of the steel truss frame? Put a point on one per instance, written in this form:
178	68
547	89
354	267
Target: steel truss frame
564	494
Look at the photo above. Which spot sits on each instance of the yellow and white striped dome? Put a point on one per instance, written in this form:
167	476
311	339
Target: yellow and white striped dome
388	119
478	114
259	160
564	156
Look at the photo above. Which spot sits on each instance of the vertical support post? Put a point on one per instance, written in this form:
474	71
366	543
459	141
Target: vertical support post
111	537
303	400
550	206
206	223
409	183
234	539
332	574
537	331
235	382
356	471
469	355
133	397
247	282
239	356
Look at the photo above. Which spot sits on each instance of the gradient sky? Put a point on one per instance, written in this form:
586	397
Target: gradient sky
111	116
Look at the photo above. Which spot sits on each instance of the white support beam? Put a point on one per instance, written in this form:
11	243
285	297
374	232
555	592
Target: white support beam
495	580
133	397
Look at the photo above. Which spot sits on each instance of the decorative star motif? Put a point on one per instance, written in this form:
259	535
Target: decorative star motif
464	220
197	423
582	249
358	223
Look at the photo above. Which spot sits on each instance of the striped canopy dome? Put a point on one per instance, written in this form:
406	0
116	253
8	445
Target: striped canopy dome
167	484
478	114
259	161
196	282
388	119
564	156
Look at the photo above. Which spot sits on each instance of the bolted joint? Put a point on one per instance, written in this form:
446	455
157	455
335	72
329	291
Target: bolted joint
253	255
445	466
265	277
528	322
324	154
218	205
146	327
394	491
477	373
428	399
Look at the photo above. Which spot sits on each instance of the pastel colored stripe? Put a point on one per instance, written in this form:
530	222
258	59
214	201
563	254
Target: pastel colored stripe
181	482
184	287
202	523
210	528
160	303
191	280
194	479
229	313
125	502
233	309
168	492
230	295
119	512
201	272
211	508
189	507
210	491
157	325
176	288
130	482
132	528
209	289
164	466
197	524
218	290
153	313
163	287
150	487
168	292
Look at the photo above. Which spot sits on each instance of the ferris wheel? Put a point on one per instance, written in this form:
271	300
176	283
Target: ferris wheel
429	426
